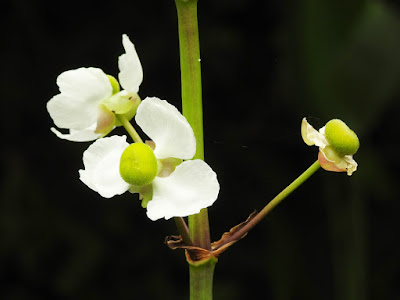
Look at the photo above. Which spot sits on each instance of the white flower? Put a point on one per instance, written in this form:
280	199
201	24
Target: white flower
336	150
191	186
89	98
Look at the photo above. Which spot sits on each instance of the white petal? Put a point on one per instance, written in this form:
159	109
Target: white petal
312	136
351	164
131	73
84	135
192	186
167	127
101	162
82	90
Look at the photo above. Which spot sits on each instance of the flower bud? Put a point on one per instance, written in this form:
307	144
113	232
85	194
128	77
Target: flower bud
138	165
341	137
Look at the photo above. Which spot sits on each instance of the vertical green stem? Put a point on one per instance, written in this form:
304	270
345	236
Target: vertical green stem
190	69
191	100
201	279
201	273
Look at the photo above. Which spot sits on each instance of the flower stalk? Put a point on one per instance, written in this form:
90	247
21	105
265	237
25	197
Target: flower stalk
273	203
201	279
130	129
192	100
201	274
183	230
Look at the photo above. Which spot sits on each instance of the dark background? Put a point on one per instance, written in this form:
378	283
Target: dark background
265	65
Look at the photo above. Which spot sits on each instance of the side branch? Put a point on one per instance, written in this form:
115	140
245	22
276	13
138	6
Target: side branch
241	230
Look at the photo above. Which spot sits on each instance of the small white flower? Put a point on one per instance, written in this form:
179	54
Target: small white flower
191	186
89	98
336	151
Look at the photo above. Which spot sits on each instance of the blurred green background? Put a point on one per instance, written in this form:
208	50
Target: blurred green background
266	65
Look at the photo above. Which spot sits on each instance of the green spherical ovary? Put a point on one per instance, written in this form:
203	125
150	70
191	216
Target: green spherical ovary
138	165
341	137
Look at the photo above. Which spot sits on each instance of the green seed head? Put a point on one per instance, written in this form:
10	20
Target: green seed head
341	137
138	165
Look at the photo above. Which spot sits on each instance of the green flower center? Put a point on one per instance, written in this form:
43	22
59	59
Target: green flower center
138	165
341	137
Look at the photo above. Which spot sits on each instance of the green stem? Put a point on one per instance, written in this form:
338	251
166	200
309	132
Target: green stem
183	230
129	128
289	189
274	202
190	69
202	277
192	101
201	273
